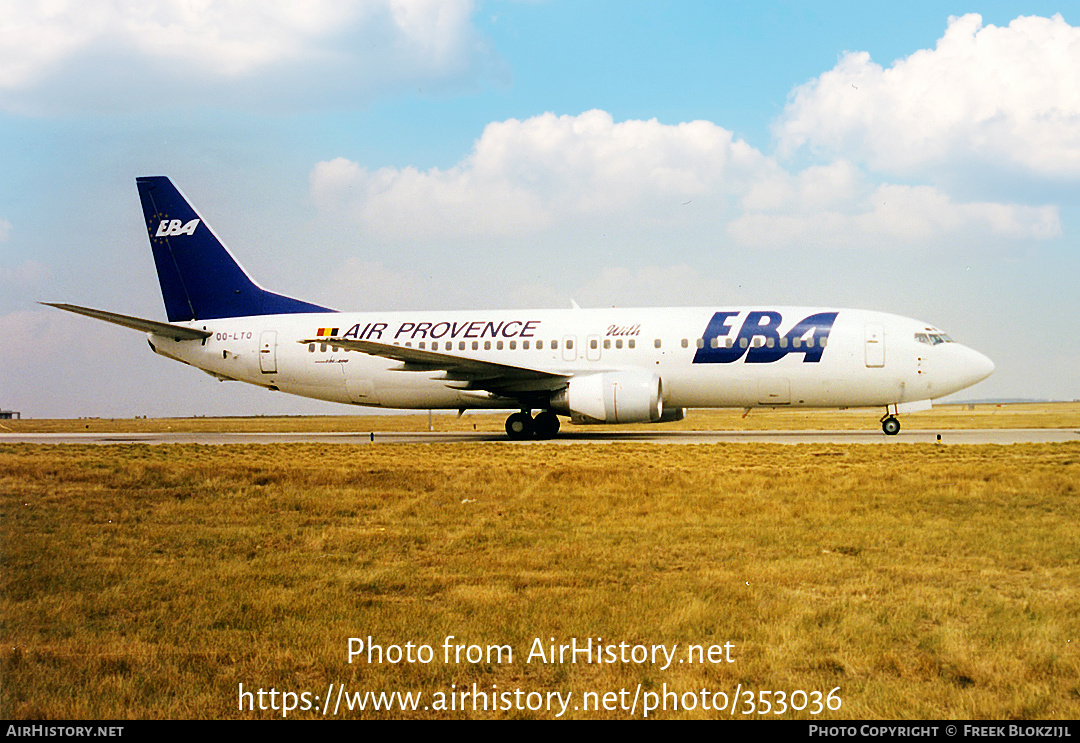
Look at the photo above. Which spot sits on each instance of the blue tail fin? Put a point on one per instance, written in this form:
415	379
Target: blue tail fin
200	280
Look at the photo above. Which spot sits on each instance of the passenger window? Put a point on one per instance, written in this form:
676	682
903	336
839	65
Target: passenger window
525	345
487	345
476	345
783	342
513	345
322	347
630	343
311	348
461	345
810	342
569	343
700	343
618	343
821	342
685	343
498	345
539	345
593	344
743	343
656	343
607	343
555	345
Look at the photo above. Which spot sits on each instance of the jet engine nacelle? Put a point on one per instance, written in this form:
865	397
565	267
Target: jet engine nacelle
629	396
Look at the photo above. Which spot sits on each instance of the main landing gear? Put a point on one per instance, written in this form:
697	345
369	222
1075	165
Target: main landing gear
523	426
890	425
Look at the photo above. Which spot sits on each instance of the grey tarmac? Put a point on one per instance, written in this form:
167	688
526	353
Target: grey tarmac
582	435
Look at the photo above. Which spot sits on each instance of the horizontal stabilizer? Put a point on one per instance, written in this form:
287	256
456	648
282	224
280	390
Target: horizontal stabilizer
168	330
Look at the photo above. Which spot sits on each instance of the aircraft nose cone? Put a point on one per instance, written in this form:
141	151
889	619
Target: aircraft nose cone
973	367
981	367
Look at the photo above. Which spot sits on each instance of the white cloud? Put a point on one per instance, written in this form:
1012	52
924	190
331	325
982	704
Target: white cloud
837	205
529	177
819	187
892	216
128	54
524	176
1004	96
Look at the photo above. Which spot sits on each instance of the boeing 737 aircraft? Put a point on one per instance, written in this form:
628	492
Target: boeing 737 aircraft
593	365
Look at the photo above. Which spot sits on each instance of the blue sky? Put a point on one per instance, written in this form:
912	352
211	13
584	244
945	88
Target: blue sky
398	154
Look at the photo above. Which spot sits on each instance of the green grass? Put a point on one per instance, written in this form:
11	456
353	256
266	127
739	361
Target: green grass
923	581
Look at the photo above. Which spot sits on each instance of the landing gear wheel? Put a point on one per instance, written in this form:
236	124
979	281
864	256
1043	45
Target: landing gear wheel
890	426
546	425
519	426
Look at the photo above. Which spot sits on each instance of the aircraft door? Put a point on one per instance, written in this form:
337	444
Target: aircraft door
875	345
268	351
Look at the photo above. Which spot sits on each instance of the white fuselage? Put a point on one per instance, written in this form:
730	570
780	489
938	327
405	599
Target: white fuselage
758	357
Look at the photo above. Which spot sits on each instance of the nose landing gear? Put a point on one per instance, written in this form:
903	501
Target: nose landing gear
890	425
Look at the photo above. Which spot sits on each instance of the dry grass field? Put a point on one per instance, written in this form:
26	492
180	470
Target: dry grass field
917	581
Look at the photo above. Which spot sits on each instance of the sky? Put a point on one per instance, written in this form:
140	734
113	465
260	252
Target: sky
919	158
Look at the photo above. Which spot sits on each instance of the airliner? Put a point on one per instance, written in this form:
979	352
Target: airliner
590	365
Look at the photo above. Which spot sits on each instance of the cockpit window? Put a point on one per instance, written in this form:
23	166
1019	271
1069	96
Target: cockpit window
933	339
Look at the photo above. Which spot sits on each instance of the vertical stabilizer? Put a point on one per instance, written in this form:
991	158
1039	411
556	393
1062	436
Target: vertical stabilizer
200	280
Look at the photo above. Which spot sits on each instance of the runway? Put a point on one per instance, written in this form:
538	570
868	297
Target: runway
573	436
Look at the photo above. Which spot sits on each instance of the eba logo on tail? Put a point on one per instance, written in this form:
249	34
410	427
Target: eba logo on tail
169	228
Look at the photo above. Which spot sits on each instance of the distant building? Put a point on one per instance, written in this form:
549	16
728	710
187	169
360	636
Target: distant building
9	414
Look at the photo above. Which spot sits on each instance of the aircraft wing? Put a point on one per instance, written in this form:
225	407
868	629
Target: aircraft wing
461	372
176	332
